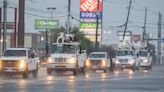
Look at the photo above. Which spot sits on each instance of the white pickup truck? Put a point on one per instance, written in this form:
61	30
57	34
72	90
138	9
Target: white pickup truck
19	61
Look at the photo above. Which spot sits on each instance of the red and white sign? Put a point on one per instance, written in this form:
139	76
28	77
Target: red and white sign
136	38
90	5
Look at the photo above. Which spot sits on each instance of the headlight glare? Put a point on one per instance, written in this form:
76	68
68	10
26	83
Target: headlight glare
131	61
50	60
117	62
71	60
103	63
87	63
22	64
145	61
0	64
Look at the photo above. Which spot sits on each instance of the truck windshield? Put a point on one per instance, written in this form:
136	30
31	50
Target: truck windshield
143	53
63	49
97	56
18	53
124	53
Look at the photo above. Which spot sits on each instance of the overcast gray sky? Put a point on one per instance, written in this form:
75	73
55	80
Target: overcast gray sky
114	14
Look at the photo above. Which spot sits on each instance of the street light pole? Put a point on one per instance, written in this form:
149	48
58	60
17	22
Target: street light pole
51	10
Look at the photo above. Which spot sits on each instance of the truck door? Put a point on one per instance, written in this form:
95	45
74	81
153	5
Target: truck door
32	64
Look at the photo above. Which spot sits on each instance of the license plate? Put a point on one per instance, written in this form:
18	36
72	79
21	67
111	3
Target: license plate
94	66
10	70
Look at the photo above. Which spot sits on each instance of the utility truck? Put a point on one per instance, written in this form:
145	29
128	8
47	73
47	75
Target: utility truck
65	54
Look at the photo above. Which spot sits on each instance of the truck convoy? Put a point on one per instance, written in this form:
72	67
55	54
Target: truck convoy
64	55
19	61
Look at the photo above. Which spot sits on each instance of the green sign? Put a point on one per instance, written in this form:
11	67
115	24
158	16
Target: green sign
46	24
89	25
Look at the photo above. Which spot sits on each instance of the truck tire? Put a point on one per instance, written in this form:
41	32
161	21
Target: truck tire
106	70
35	73
49	71
75	71
25	74
133	68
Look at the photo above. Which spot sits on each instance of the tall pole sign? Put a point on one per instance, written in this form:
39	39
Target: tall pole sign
91	19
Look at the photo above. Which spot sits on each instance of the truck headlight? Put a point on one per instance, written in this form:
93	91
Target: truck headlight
145	61
0	64
103	63
131	61
50	60
72	61
117	62
87	63
22	64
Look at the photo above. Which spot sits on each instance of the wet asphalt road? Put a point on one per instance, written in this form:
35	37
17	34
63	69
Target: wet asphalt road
120	81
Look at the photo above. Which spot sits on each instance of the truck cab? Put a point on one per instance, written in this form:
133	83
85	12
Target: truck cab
19	61
145	59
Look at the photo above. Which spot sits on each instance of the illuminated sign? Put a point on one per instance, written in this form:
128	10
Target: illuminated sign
46	24
89	25
90	15
90	5
88	18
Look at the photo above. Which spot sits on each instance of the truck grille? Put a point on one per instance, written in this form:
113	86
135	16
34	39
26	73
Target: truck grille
123	60
95	62
10	63
61	60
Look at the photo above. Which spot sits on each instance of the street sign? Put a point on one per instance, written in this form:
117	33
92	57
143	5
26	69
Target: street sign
9	25
46	24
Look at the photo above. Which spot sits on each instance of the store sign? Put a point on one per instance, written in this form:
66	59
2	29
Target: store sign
46	24
136	38
89	25
121	33
84	15
90	5
88	18
9	25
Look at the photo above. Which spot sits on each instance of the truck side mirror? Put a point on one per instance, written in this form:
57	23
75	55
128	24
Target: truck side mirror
32	55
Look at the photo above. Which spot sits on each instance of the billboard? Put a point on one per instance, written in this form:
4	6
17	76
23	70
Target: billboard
46	24
88	18
127	37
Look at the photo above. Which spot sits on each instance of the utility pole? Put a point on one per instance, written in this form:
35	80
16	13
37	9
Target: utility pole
97	24
127	19
0	27
159	38
46	44
4	23
15	28
21	23
69	15
144	28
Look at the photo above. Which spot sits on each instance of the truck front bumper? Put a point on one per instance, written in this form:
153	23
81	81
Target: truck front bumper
11	70
61	66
